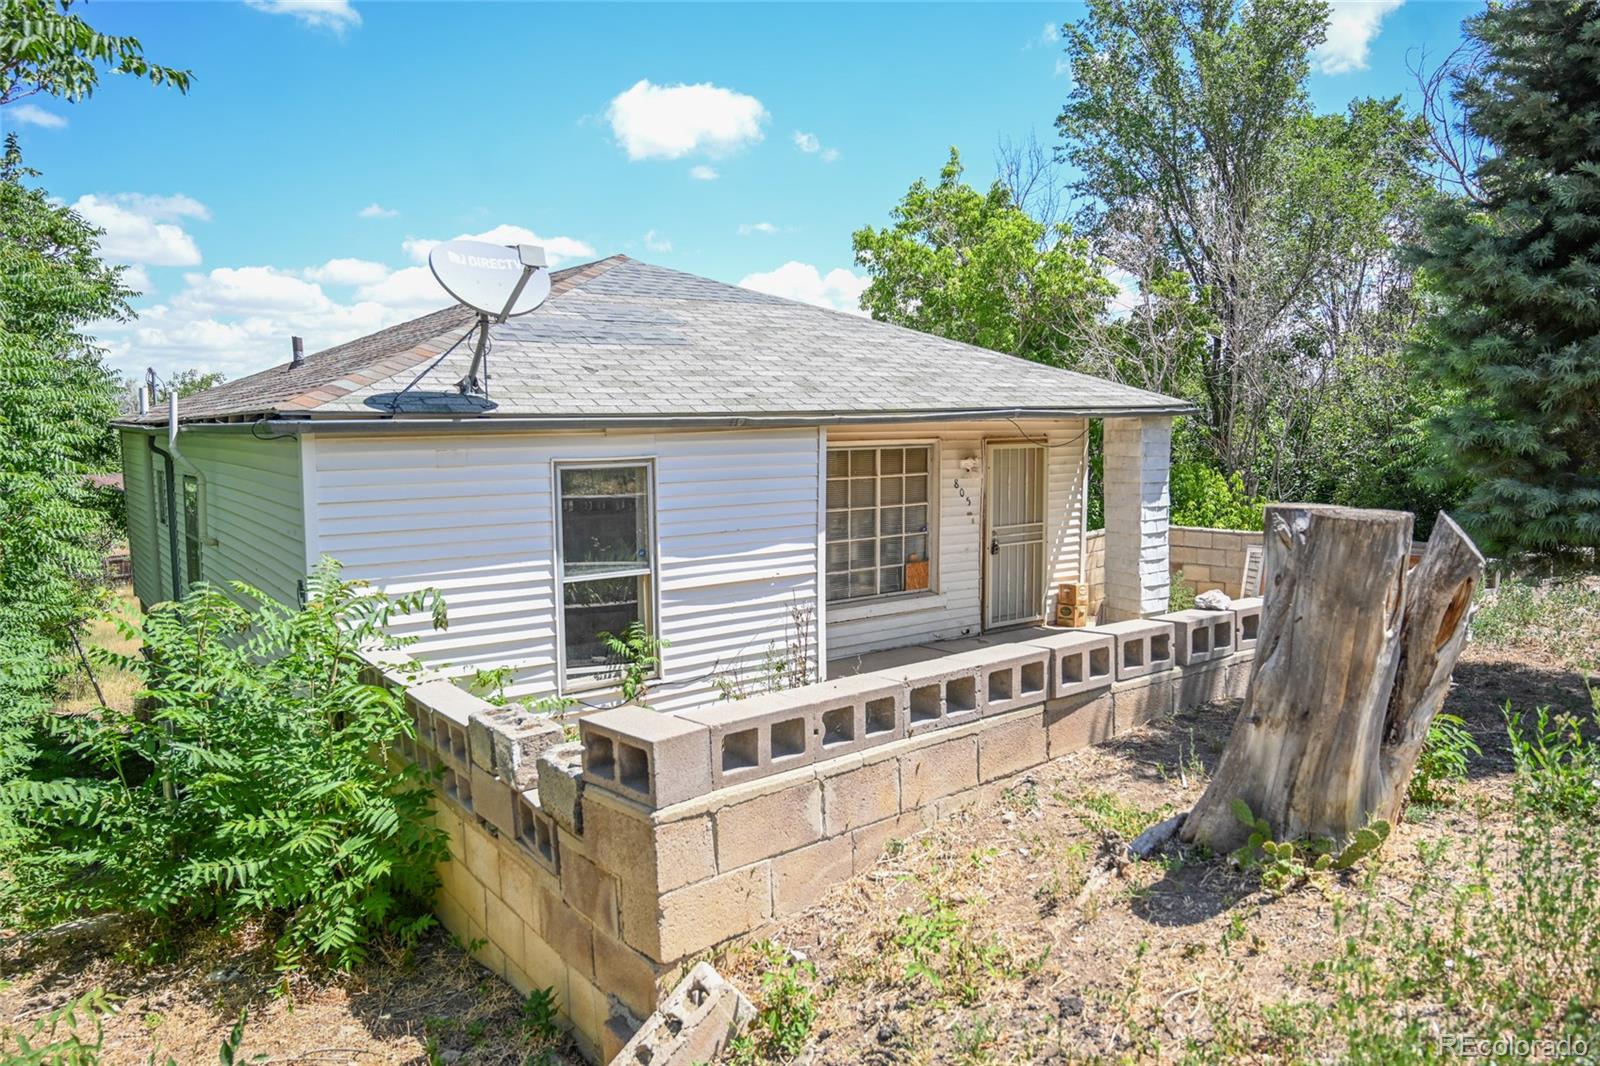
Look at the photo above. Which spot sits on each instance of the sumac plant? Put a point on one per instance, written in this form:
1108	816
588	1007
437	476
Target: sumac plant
251	783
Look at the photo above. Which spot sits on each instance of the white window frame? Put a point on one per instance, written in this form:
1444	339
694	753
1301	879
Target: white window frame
934	502
568	681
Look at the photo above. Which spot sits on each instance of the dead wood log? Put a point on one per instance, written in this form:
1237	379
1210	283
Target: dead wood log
1353	660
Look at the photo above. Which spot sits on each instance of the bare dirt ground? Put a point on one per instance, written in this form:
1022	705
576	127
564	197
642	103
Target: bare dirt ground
1160	958
1168	953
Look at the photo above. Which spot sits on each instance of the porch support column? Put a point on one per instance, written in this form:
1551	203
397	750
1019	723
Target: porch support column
1138	454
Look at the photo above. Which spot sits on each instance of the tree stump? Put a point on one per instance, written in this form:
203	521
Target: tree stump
1352	663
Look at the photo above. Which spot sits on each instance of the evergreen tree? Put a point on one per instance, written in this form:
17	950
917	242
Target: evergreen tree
1514	262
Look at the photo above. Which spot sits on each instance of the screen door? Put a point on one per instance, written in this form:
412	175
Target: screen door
1014	555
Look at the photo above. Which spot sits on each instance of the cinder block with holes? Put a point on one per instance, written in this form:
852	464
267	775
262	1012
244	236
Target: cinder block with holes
1246	622
519	737
536	832
1080	660
1010	676
1200	636
856	712
941	692
762	735
653	758
457	786
1143	646
448	711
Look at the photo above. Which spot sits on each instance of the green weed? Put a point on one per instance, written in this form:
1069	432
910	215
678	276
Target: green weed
1558	765
1443	763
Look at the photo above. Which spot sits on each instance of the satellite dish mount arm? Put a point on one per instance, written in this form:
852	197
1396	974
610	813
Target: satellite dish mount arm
477	378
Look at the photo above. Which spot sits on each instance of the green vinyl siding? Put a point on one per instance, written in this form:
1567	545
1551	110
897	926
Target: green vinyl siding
246	494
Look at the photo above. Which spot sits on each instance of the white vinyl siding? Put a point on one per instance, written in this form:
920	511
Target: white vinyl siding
954	607
474	515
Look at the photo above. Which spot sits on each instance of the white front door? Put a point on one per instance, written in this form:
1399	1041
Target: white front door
1014	509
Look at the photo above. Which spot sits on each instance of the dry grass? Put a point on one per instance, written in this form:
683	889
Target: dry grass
77	694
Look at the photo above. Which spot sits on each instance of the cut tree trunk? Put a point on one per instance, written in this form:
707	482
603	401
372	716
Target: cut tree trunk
1353	660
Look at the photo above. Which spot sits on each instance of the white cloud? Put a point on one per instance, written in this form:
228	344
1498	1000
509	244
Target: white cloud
703	173
748	228
32	115
1352	24
557	250
139	229
671	121
334	15
239	319
838	289
1063	66
810	145
1049	35
347	272
657	243
137	278
376	210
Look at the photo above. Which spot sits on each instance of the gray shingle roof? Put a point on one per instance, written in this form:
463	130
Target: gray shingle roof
624	339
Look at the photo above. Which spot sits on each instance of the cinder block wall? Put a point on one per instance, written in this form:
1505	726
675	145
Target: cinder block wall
608	899
1208	558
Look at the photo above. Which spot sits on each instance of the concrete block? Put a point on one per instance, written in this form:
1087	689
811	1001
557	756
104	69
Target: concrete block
937	770
519	737
591	892
871	840
656	857
1200	636
567	932
1201	684
482	859
799	878
695	1024
448	711
480	746
1247	622
561	785
759	736
768	825
456	784
1081	660
1240	670
655	759
1142	699
705	914
860	796
1143	646
588	1009
857	712
503	927
941	692
633	978
536	832
1011	676
517	886
493	800
1074	722
1013	746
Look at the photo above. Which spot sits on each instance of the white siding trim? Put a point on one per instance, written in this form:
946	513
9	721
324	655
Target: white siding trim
820	668
308	468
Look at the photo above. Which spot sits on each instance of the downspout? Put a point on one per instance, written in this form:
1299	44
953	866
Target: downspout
172	490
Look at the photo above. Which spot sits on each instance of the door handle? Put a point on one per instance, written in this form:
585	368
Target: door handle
994	545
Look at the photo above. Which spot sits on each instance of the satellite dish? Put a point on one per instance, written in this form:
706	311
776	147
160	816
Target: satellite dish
492	279
495	280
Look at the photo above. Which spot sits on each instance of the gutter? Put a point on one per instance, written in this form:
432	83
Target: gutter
491	423
171	456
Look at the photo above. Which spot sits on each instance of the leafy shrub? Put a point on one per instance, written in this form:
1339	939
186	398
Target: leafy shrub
787	1010
1202	496
70	1035
253	783
638	652
1443	761
1182	594
1558	766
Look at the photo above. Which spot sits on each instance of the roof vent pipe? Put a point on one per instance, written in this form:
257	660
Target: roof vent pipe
299	357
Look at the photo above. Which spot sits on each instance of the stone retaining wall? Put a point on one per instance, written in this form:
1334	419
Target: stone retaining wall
604	868
1207	558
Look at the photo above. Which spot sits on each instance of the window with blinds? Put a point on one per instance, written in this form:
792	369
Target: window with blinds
878	521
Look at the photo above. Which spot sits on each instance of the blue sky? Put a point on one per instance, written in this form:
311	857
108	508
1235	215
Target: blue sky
325	144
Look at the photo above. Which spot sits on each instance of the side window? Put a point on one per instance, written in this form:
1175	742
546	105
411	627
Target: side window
607	561
191	528
161	497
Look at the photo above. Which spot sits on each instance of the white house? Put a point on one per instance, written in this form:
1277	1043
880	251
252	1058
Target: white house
740	473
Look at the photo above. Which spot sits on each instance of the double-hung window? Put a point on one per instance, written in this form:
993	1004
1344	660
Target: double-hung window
878	516
607	561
